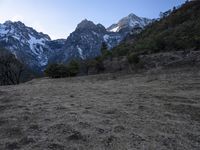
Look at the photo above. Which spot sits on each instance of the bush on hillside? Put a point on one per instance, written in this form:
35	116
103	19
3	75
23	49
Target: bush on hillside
57	71
99	66
106	54
62	71
73	68
87	64
133	58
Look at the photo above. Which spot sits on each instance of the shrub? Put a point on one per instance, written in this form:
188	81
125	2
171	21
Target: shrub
62	71
73	68
86	65
57	71
99	66
133	58
105	52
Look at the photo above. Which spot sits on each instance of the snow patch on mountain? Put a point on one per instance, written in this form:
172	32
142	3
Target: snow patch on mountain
3	30
33	43
106	37
116	29
43	61
95	33
80	52
112	39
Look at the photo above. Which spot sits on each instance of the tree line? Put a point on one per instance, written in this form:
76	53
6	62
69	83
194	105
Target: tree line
75	66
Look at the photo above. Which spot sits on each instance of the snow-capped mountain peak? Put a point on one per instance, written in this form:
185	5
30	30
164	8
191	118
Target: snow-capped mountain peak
129	23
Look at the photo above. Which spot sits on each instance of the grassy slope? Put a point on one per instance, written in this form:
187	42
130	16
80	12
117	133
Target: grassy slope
143	111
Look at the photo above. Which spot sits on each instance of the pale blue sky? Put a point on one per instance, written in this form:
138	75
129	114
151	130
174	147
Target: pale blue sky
59	18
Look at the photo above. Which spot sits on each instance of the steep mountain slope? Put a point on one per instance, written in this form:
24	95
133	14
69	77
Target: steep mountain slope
178	30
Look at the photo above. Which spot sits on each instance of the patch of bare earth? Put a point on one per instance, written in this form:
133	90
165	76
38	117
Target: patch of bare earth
155	110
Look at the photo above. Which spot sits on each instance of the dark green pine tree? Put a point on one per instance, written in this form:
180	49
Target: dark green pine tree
104	49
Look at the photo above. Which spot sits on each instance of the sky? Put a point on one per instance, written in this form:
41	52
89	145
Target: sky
59	18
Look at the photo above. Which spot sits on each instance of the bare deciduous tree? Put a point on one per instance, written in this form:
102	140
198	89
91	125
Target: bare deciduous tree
10	69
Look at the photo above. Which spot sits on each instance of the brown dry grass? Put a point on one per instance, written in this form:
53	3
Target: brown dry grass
155	110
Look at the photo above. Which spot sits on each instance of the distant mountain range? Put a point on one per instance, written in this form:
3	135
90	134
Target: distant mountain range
37	50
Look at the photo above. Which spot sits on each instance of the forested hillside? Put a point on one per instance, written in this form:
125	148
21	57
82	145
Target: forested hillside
177	30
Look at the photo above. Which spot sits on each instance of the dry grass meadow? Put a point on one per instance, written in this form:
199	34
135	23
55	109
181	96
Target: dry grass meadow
158	110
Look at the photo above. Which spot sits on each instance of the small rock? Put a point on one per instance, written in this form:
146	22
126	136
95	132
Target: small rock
76	136
72	96
55	146
119	129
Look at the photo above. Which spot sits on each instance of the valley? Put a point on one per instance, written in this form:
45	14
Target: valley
134	85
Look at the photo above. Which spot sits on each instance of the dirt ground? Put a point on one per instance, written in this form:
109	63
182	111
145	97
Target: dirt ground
158	110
